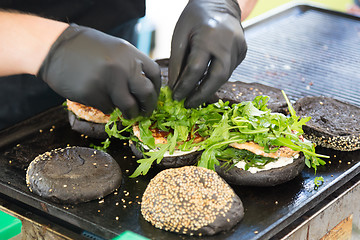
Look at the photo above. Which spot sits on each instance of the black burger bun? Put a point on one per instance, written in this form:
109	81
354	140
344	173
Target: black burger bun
265	178
88	120
73	175
333	124
191	200
236	92
90	129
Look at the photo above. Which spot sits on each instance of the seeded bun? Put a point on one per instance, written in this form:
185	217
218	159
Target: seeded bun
191	200
186	159
236	92
264	178
333	124
73	175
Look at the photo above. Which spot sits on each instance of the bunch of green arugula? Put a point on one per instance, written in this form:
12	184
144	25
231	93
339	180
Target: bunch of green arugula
220	125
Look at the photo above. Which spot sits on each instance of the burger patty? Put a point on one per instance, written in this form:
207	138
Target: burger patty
259	150
161	136
88	113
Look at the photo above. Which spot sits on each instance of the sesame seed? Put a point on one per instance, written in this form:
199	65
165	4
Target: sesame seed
185	200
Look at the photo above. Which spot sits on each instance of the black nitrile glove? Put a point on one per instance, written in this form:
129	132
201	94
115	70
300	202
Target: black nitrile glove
98	70
207	45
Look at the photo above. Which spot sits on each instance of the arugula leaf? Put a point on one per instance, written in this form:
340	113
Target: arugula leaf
231	156
105	143
146	163
146	134
318	181
220	125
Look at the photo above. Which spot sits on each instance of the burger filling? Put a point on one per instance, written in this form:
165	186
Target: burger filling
87	113
160	137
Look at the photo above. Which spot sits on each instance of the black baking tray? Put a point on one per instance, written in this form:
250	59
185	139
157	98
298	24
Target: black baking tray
267	210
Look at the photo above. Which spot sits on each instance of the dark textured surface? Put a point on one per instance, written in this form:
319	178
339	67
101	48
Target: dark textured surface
333	124
236	92
264	178
330	115
268	210
73	175
90	129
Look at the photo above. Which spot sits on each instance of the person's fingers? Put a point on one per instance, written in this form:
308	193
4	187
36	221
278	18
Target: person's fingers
128	106
195	68
218	74
179	50
103	103
124	100
91	96
152	72
143	90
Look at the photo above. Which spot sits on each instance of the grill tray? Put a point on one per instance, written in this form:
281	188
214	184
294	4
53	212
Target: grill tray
277	56
306	51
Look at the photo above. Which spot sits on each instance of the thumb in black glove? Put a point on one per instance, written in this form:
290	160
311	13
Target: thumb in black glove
98	70
207	45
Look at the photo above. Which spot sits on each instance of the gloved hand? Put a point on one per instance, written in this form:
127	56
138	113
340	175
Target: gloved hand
207	45
98	70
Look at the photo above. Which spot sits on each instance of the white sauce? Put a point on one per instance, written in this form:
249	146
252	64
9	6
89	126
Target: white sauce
280	162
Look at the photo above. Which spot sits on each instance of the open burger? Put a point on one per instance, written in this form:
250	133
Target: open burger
87	120
235	139
169	137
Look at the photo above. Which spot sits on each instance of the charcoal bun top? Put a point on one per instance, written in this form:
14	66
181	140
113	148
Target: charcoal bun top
333	124
73	175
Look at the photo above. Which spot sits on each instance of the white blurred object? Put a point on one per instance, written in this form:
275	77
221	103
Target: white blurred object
163	14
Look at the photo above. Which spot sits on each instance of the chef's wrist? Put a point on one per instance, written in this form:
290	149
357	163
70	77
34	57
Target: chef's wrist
246	7
25	40
43	44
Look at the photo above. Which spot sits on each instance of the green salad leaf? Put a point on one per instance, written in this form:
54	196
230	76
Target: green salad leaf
218	125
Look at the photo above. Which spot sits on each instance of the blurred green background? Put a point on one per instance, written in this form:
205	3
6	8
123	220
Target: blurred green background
265	5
